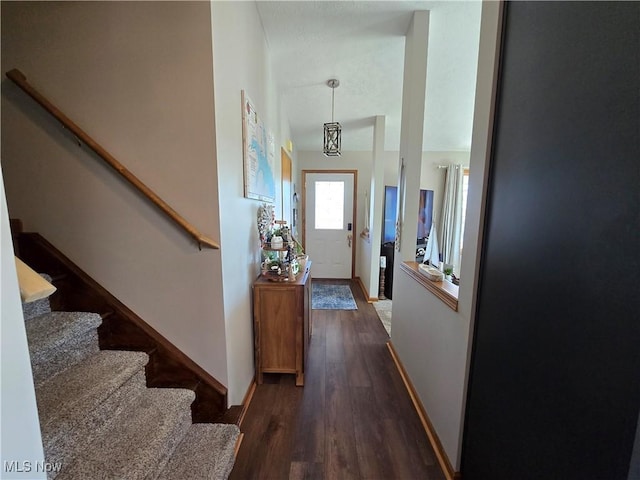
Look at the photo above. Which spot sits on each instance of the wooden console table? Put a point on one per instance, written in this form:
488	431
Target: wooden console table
282	325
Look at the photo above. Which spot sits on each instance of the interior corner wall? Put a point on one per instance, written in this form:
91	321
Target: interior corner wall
21	439
411	134
136	76
241	62
371	244
363	259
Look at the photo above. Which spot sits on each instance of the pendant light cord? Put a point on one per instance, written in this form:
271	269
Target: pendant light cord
333	95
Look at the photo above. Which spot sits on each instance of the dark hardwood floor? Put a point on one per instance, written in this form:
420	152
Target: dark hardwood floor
353	419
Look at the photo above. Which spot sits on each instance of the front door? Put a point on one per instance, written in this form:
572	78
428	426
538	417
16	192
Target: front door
329	211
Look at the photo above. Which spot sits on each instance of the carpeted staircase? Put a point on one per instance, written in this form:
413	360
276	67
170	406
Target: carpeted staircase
100	421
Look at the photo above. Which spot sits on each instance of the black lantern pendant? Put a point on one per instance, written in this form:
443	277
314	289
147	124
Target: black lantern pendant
332	131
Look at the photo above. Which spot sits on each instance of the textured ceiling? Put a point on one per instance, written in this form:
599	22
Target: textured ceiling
362	44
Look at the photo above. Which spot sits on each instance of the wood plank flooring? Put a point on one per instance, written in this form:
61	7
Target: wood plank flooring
353	419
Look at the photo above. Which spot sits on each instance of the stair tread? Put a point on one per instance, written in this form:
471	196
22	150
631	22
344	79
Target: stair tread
58	340
205	453
77	390
137	443
52	329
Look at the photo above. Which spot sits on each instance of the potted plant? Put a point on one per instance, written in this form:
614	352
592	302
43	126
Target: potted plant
273	267
301	257
276	238
448	271
269	259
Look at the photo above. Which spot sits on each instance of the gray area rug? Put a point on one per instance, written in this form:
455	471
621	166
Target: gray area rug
332	297
383	309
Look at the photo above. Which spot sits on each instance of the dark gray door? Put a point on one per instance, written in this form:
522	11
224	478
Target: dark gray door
554	388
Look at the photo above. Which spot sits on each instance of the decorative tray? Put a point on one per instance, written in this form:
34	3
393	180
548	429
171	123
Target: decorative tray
430	272
275	277
277	247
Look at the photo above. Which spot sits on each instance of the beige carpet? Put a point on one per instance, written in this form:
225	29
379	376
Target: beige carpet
383	308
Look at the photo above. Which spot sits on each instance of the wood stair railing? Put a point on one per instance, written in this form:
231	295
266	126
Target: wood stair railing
17	77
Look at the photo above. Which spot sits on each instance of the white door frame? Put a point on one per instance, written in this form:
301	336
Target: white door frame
355	210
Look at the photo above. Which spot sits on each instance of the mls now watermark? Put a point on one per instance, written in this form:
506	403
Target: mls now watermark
26	466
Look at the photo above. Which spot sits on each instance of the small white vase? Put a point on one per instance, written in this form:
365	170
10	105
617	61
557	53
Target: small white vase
276	242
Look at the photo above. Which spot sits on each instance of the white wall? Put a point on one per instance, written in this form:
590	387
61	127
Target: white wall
241	61
19	423
432	341
137	76
370	251
411	134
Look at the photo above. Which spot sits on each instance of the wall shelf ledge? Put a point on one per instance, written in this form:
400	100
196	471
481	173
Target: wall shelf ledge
445	291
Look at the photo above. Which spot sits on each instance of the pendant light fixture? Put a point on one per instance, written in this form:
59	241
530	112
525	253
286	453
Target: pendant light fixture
332	131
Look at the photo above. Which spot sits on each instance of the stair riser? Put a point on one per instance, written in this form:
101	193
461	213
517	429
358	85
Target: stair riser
67	441
35	309
46	365
39	307
193	459
58	340
71	400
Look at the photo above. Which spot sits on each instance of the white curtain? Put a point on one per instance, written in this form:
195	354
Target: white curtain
451	217
432	251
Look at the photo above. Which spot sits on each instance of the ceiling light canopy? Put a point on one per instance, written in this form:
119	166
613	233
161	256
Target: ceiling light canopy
332	131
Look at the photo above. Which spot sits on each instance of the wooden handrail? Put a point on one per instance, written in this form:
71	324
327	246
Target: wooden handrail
17	77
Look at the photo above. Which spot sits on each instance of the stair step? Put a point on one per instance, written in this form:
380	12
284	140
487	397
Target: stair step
139	439
67	401
207	452
39	307
58	340
35	309
65	446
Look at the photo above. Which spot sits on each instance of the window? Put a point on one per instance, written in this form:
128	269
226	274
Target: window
329	205
465	189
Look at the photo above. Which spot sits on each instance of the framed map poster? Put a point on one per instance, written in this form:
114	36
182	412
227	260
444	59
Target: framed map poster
258	154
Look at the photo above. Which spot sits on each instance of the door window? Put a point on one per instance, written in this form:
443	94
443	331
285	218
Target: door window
329	207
